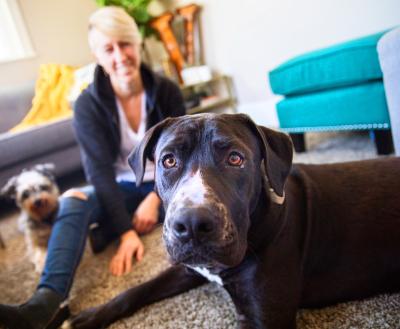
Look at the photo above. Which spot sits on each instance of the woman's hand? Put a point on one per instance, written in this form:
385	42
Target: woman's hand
130	246
146	216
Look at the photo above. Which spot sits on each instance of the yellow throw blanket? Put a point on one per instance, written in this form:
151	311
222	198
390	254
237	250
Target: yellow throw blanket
50	101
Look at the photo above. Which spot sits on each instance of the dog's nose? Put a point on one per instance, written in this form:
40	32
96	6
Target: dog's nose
37	203
197	225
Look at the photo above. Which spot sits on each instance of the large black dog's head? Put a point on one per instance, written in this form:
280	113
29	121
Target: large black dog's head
209	173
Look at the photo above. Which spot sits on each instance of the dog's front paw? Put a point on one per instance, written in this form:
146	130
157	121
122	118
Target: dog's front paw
89	319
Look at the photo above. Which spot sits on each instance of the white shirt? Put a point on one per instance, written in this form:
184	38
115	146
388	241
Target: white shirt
129	140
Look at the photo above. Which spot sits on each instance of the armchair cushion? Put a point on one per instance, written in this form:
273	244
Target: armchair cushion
344	64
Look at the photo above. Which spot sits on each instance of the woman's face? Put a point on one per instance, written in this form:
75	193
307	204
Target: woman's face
120	59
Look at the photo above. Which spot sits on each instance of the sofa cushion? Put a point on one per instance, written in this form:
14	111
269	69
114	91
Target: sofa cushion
344	64
356	107
37	141
15	102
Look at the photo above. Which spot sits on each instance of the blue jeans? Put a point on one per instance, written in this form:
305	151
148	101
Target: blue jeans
68	236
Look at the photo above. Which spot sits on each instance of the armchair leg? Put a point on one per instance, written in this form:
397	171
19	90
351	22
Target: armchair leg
2	244
298	142
383	141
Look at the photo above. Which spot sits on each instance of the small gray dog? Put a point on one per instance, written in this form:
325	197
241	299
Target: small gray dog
35	192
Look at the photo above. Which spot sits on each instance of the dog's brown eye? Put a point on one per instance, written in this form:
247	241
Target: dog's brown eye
235	159
25	195
45	187
169	161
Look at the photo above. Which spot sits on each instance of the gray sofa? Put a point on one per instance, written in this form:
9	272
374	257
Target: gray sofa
54	142
389	58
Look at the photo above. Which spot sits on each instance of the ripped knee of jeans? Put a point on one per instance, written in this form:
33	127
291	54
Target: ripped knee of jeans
75	193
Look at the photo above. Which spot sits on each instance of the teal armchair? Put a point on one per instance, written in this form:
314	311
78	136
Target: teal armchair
335	88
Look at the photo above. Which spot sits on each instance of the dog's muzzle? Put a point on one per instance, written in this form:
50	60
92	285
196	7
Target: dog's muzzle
198	225
201	236
198	228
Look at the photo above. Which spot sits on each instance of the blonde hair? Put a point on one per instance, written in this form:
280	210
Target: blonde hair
114	22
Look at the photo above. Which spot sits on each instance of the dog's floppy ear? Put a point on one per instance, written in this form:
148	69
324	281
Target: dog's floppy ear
137	158
278	157
46	169
10	189
277	151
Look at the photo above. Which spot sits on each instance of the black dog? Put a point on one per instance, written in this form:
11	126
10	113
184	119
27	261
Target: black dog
276	238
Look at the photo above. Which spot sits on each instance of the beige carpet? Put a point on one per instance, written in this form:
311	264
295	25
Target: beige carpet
208	307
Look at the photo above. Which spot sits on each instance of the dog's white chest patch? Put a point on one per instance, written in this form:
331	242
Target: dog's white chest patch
209	276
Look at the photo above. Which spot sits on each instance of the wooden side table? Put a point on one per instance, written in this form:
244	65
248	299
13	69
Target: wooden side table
221	94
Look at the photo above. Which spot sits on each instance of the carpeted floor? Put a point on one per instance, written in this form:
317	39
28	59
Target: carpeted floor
208	307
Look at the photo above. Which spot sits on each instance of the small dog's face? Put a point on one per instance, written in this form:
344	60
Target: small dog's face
35	192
